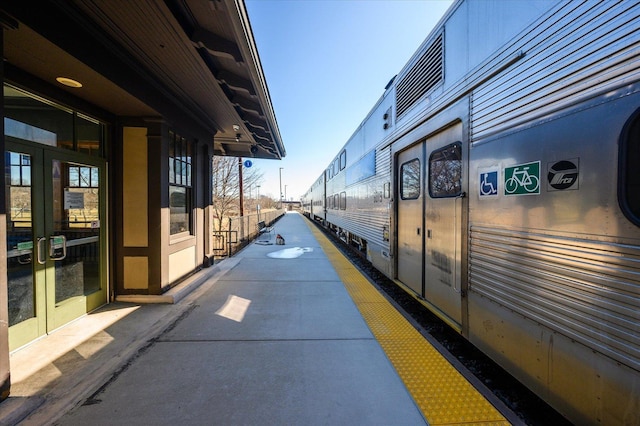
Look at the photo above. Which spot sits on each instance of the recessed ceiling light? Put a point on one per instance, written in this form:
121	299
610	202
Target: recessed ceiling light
68	82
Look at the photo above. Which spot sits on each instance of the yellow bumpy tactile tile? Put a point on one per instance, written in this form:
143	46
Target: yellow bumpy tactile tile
444	396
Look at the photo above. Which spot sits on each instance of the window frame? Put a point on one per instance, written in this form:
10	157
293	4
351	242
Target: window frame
402	180
74	122
629	147
181	162
457	146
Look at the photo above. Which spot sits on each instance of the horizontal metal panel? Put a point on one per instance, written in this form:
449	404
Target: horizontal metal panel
365	223
562	67
383	164
584	289
367	211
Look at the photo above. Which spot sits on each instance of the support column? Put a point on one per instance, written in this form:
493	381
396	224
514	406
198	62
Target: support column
144	214
158	190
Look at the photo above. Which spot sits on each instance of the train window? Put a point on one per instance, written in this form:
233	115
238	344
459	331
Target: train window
445	171
336	202
629	178
343	201
410	180
343	159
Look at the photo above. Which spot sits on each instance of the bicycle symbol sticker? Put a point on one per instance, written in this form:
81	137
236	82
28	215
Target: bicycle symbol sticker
489	183
523	179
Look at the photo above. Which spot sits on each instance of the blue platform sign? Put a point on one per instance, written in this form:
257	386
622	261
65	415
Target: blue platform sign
248	163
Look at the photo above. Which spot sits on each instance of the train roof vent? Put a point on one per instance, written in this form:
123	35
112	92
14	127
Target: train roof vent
425	74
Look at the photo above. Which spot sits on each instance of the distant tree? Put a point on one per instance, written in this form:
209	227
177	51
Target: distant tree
226	188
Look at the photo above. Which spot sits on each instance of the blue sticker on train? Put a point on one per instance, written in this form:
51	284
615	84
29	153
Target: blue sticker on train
489	184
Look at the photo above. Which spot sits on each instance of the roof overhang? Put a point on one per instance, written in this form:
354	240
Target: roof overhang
193	61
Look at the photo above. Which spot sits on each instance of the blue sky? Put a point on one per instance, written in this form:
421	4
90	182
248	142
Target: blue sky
326	63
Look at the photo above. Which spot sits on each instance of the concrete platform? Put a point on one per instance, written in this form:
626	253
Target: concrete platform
271	336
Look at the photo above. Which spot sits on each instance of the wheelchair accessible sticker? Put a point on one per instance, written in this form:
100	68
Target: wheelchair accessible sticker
489	183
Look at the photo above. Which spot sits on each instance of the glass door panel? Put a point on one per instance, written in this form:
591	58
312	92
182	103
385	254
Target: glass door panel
55	250
19	238
26	294
75	235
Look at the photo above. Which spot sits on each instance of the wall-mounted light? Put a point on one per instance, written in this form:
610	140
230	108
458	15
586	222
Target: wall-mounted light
69	82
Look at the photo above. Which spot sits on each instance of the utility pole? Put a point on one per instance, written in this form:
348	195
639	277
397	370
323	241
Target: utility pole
258	205
281	186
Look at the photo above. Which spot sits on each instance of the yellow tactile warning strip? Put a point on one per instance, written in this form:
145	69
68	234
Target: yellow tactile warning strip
443	395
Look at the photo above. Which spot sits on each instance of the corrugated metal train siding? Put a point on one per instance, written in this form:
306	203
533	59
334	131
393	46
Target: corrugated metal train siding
540	84
364	217
383	163
584	289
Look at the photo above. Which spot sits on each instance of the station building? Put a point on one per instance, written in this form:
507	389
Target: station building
112	113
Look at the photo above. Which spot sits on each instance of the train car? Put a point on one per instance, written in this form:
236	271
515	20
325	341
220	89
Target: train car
313	200
498	180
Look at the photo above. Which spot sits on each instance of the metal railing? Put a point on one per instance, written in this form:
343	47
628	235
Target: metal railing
237	232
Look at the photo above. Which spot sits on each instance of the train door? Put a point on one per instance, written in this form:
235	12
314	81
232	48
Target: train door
444	222
410	217
55	249
430	220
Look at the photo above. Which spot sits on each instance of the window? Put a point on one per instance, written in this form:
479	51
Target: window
180	188
29	117
629	164
18	180
83	177
88	135
410	180
445	171
20	169
343	159
336	201
343	201
81	194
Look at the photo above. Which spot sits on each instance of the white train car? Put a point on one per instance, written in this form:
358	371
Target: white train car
498	179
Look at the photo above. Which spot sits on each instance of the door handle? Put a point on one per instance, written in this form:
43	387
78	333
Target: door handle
40	250
56	242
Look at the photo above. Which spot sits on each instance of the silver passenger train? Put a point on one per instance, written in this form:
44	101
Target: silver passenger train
498	180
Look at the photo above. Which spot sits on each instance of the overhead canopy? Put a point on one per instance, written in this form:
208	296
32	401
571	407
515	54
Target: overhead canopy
189	60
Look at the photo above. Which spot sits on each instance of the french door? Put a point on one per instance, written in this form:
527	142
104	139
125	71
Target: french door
55	214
